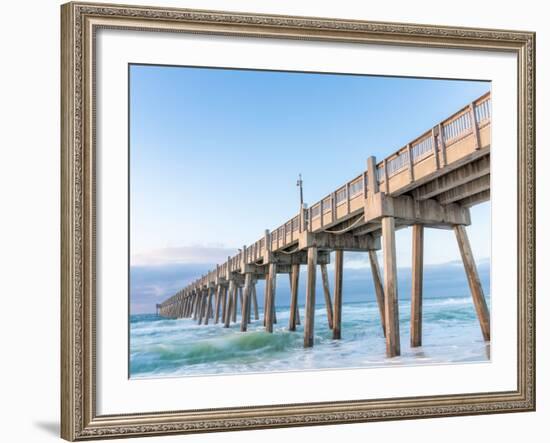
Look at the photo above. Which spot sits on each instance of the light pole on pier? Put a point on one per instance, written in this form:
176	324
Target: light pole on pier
300	183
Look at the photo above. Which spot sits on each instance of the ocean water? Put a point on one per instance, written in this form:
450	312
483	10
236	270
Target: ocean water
162	347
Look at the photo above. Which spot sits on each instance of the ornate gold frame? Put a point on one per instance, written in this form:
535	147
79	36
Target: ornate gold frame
79	420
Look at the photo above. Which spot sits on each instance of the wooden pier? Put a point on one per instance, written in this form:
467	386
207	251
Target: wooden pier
429	183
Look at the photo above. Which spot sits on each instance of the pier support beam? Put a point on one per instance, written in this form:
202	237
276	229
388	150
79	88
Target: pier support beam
393	347
234	296
198	303
229	309
266	290
208	306
202	305
378	287
294	279
417	276
246	301
241	300
473	281
310	297
255	301
326	291
224	302
218	303
186	311
271	286
196	299
338	280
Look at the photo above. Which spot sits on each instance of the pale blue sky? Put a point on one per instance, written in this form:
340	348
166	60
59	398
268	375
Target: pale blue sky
215	153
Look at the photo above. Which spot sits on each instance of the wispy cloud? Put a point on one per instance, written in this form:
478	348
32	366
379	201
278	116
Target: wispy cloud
182	255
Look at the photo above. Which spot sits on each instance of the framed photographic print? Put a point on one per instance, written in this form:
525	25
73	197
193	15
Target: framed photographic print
283	221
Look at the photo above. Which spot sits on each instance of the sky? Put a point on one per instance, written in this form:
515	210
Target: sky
215	154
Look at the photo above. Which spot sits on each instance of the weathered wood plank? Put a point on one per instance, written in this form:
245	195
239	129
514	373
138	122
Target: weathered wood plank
475	199
466	190
464	174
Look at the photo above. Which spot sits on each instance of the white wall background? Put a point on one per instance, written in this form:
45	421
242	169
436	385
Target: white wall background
29	220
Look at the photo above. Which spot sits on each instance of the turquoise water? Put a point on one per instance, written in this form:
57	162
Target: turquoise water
162	347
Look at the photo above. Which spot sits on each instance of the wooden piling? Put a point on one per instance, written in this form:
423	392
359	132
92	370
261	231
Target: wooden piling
393	347
196	298
208	305
310	297
274	312
417	276
202	306
294	279
218	303
270	302
266	291
473	281
338	280
255	302
223	302
246	301
234	297
326	291
378	287
241	299
229	304
249	316
198	301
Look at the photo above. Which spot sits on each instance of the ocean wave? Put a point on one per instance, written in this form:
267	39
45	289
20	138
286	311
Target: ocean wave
243	347
164	347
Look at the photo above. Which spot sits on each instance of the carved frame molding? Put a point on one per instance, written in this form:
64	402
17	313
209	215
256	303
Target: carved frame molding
79	23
